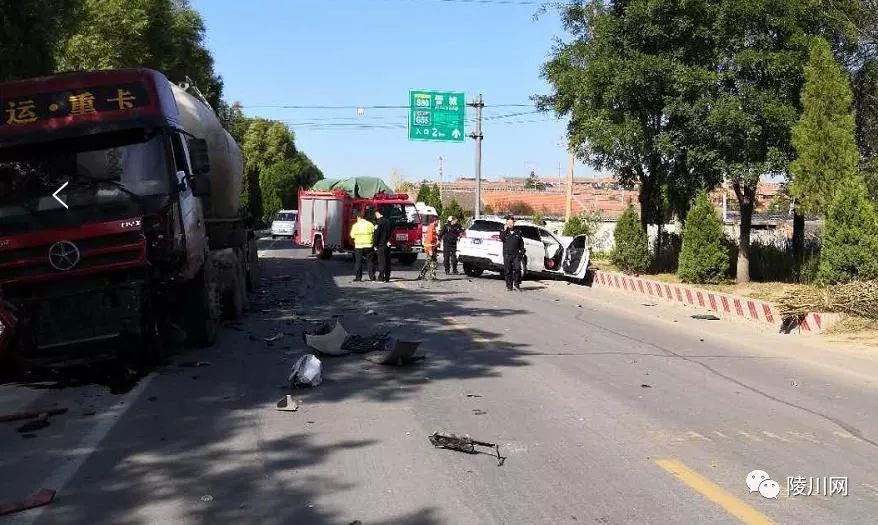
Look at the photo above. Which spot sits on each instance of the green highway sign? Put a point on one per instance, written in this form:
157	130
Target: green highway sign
437	115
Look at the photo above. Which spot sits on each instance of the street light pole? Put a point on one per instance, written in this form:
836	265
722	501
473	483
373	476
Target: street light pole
477	136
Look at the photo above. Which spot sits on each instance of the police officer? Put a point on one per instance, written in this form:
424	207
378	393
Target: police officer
450	234
513	250
383	234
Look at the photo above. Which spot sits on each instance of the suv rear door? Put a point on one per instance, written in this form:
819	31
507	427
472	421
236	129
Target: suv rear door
576	257
482	239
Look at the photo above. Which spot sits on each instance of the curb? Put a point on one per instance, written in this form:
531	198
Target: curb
725	306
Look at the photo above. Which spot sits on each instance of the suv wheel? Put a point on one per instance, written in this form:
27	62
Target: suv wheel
472	271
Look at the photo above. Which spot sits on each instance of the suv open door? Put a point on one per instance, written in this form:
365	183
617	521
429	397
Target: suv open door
576	255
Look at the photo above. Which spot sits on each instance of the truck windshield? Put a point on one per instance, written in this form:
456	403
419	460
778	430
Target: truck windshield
404	215
286	217
109	171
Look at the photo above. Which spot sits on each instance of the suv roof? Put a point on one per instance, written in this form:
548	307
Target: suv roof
501	220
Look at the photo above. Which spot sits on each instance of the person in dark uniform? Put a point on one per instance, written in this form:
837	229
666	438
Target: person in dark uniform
513	250
383	234
450	234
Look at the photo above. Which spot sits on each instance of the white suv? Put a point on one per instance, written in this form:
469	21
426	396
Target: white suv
480	249
284	224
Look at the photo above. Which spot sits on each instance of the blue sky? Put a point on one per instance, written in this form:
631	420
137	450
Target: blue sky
372	52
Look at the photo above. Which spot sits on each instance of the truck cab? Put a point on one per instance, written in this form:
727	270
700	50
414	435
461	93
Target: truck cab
101	206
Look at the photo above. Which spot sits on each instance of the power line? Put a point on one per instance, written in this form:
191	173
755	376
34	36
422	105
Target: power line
290	106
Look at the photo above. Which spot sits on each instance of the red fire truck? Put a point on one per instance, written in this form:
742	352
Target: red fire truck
326	217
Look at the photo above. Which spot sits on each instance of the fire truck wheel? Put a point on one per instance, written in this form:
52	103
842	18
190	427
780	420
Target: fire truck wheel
408	259
204	307
253	266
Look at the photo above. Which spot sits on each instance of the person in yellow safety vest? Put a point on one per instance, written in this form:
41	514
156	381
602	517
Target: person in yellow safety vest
431	241
363	234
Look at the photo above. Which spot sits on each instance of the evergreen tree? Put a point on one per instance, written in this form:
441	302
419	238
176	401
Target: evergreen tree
424	193
703	258
436	199
631	251
825	135
452	210
850	241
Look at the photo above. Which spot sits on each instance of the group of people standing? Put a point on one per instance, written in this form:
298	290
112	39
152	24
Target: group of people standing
374	240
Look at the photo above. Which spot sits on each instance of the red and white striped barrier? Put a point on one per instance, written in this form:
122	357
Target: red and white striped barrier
723	304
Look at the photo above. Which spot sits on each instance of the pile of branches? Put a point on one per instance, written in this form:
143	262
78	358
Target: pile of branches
856	298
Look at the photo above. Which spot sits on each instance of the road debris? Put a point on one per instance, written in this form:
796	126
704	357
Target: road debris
20	416
474	395
463	443
273	338
400	353
648	304
193	364
306	372
706	317
478	412
359	344
207	498
330	343
287	404
371	312
644	385
40	498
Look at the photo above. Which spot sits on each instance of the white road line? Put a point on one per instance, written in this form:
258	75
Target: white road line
84	449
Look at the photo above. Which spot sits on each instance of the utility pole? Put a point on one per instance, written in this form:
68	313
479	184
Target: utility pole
568	206
477	136
440	177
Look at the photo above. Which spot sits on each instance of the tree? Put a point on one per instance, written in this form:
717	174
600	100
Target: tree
30	33
631	249
629	64
397	180
824	138
704	257
436	199
520	208
265	143
453	209
424	193
585	224
850	241
534	183
281	182
167	35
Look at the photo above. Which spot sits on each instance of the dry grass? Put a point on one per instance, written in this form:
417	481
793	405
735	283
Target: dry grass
854	329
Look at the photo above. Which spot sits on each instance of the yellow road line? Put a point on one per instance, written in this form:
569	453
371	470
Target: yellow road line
714	493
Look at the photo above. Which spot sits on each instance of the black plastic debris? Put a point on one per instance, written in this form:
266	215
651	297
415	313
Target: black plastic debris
399	353
706	317
644	385
360	344
463	443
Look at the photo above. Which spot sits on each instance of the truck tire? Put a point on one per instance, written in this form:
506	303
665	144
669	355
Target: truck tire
252	266
321	250
203	307
408	259
472	271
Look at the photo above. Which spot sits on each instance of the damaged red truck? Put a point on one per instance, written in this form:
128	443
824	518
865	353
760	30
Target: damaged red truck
119	215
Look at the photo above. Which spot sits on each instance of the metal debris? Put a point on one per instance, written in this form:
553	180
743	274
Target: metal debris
400	353
330	343
306	372
463	443
287	404
360	344
207	498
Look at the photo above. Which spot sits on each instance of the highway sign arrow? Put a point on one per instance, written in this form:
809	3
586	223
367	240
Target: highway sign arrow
456	133
57	198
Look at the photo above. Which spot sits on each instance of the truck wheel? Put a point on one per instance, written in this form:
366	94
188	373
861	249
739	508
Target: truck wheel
203	309
472	271
253	266
321	250
154	343
234	293
408	259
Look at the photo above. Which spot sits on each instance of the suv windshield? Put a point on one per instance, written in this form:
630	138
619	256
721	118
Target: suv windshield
106	171
286	217
405	215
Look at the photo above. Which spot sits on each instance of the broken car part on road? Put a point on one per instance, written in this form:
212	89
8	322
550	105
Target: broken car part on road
463	443
306	372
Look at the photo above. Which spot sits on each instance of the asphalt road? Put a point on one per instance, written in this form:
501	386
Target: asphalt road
608	412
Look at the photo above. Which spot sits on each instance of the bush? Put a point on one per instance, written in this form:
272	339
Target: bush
585	224
703	258
850	241
520	209
631	251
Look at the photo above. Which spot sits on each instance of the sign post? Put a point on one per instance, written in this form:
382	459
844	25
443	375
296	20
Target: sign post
437	116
